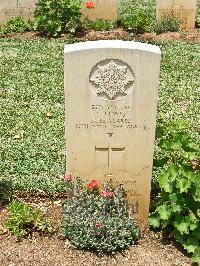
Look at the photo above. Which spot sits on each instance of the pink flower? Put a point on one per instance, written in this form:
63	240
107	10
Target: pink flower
99	224
92	185
106	194
89	4
67	178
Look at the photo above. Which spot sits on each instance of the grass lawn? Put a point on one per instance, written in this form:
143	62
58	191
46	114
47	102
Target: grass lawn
32	152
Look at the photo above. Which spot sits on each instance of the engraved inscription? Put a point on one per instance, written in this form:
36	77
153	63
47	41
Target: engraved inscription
111	117
111	79
134	207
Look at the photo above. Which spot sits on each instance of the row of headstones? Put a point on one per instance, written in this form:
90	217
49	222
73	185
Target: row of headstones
185	10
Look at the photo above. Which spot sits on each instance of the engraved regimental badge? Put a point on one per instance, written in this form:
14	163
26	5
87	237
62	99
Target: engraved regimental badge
111	79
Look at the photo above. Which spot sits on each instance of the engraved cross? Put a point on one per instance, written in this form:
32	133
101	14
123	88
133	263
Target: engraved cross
109	151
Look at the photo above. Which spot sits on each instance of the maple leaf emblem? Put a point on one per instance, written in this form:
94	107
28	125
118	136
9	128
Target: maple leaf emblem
112	80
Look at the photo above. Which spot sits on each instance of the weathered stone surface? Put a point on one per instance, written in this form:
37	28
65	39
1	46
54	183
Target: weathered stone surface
12	8
111	97
185	10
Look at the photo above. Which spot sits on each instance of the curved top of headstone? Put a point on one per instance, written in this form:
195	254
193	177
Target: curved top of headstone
109	44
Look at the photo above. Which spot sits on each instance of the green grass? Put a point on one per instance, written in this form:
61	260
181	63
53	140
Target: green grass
32	75
31	85
179	82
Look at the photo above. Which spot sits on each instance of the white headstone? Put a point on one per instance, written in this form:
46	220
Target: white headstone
185	10
111	90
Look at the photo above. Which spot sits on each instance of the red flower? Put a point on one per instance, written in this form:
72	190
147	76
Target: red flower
89	4
67	178
98	224
92	185
106	194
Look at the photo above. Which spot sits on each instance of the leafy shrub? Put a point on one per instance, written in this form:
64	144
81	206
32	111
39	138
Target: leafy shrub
98	24
98	221
136	23
56	17
178	205
167	23
137	15
24	220
16	24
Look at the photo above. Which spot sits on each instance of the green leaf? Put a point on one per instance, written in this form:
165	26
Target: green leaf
196	194
176	208
154	220
193	146
196	232
167	177
180	125
164	211
176	146
175	202
191	244
179	237
183	184
164	182
181	225
196	256
192	221
186	224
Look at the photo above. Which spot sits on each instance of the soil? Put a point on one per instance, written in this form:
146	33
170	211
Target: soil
192	35
37	250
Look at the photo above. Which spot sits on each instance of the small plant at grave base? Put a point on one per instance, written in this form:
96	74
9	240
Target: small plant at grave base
167	23
56	17
24	220
6	191
98	24
178	204
98	218
16	25
136	23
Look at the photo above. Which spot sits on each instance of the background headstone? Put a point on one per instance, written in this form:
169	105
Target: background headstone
12	8
111	97
103	9
185	10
